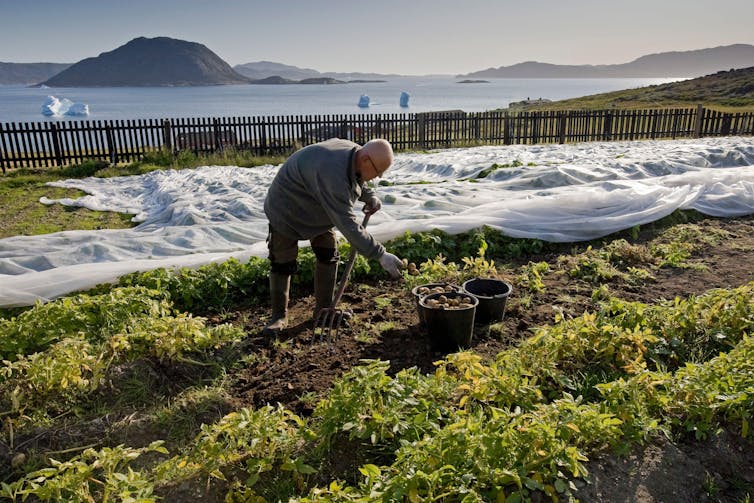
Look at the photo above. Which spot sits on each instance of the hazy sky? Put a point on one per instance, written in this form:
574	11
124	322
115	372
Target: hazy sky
412	37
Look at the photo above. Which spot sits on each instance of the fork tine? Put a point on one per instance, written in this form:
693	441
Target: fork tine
328	323
334	320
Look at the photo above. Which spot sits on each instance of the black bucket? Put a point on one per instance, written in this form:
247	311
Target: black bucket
418	292
492	295
449	328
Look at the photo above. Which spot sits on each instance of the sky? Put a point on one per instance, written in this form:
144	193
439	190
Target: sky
408	37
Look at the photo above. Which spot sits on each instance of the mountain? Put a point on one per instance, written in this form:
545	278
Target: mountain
159	61
665	64
29	73
263	69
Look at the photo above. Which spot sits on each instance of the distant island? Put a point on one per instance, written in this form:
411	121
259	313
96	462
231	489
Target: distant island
164	61
159	61
29	73
263	69
278	80
665	64
473	81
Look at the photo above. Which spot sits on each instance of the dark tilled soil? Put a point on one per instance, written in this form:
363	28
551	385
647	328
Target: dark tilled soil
297	369
294	371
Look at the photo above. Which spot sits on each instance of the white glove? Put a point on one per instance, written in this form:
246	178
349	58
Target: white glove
372	205
391	264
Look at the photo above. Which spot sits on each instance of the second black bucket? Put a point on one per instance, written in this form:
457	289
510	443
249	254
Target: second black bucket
449	328
492	295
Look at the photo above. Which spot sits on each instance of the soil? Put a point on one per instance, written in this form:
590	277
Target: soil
294	369
298	367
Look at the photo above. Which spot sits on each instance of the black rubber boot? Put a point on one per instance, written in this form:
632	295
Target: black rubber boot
280	285
324	286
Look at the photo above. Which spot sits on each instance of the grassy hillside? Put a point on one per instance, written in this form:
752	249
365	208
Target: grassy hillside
727	90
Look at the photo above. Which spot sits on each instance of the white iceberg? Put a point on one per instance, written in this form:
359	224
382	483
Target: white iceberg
404	99
54	107
78	109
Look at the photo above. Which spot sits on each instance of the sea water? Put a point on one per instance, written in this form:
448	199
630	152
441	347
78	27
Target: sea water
24	104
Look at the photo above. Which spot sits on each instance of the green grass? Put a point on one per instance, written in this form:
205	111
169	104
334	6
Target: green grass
24	215
21	213
731	91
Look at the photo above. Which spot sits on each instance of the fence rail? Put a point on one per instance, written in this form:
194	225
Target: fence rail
44	144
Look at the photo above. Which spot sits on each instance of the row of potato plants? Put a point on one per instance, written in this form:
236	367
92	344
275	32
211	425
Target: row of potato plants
471	431
411	411
55	354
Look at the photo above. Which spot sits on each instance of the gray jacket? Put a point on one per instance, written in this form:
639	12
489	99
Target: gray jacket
315	190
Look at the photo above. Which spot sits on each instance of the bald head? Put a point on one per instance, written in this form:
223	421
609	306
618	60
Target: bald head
380	152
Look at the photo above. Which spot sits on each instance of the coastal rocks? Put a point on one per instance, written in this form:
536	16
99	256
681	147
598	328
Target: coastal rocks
528	103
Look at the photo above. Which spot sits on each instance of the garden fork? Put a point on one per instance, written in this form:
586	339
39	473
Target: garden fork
329	318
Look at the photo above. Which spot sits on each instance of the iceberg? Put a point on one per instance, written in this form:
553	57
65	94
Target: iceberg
78	109
54	107
404	99
363	101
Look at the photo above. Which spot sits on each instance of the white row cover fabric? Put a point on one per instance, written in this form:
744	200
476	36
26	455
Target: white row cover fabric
560	193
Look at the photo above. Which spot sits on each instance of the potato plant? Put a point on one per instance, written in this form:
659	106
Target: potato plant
516	427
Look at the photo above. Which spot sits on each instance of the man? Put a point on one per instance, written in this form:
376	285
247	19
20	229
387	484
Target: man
314	192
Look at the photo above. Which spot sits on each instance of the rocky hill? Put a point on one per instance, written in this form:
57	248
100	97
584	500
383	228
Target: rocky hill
29	73
666	64
260	70
727	89
159	61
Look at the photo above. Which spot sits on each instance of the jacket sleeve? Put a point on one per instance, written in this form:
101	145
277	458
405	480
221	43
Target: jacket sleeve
366	193
339	208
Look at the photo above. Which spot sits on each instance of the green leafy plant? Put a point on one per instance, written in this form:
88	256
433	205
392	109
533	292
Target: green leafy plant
530	277
103	475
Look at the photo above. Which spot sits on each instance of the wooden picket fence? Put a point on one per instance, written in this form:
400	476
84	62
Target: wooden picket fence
44	144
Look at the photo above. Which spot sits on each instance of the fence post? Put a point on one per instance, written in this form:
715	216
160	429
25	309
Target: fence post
725	126
535	127
607	126
422	130
2	150
216	134
111	144
699	117
56	144
167	135
263	136
506	129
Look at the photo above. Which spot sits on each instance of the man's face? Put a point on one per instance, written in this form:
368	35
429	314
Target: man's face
368	169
